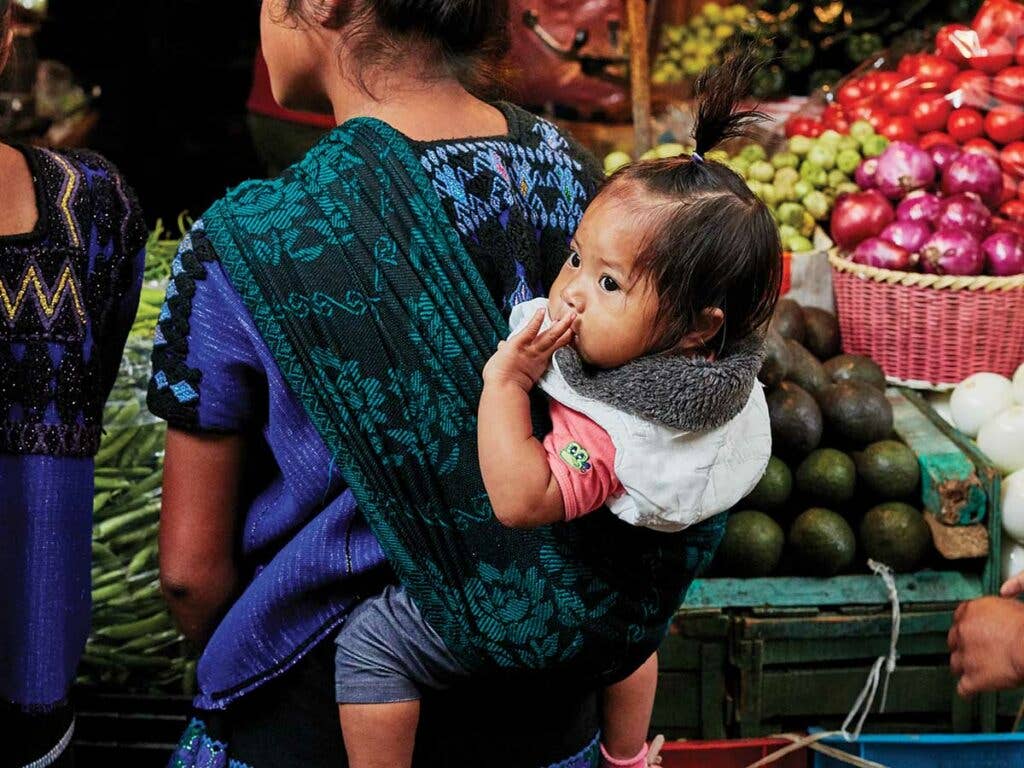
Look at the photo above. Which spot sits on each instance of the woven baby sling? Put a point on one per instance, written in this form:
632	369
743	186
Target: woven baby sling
381	325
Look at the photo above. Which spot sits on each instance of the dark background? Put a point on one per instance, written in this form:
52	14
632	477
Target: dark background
175	75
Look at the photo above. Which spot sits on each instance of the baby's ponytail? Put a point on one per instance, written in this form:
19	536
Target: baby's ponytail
719	90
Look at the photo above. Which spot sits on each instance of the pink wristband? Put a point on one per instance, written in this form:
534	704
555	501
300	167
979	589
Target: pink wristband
640	761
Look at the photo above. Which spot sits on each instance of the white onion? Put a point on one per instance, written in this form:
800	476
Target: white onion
977	399
1013	505
1002	439
1018	385
1013	558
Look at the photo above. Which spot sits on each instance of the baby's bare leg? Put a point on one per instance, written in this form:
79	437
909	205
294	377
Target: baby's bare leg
379	735
627	712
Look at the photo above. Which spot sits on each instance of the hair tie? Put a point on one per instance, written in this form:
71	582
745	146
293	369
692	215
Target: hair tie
696	157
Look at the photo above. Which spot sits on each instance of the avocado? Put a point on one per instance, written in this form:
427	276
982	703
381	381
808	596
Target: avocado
889	468
857	413
897	535
855	368
805	370
822	542
796	420
821	333
776	360
788	320
752	545
828	476
773	489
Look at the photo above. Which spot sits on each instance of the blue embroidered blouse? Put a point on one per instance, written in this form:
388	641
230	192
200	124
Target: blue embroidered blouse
515	200
68	294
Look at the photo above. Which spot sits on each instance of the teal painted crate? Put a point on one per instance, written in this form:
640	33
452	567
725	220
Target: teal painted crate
800	648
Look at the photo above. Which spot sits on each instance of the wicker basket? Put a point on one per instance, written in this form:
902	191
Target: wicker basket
929	331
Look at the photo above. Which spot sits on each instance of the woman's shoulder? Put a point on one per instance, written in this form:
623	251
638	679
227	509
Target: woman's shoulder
82	189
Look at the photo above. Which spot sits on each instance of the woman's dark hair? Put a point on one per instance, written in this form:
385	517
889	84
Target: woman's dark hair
472	35
6	15
711	242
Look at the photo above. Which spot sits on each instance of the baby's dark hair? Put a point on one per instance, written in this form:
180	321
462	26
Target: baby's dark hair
471	35
710	241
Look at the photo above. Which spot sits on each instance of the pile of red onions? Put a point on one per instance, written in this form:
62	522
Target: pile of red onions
943	220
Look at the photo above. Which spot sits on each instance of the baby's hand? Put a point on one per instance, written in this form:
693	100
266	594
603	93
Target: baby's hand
523	359
1013	586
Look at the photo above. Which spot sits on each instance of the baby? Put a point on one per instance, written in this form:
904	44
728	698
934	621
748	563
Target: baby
656	414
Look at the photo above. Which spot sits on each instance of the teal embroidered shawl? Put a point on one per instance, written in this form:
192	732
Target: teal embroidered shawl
381	325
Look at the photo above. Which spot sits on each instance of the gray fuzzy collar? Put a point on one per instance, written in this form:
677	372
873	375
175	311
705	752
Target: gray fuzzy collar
688	394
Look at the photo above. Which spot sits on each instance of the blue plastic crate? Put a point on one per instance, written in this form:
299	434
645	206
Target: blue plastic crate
967	750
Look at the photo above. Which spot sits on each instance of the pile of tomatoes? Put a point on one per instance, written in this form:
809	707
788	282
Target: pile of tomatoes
969	92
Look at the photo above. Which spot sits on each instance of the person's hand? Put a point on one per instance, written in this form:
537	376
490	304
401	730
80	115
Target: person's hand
523	359
1013	586
986	644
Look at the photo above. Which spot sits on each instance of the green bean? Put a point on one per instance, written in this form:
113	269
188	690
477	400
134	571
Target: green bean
155	623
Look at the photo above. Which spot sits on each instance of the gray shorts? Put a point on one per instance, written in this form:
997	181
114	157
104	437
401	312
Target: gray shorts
386	652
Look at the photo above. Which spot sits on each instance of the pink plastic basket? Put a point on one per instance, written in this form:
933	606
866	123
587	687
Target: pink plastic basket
929	331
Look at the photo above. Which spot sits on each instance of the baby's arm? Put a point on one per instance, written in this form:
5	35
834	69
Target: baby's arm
522	489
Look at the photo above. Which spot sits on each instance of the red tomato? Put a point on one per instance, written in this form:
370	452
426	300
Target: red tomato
1005	124
934	73
1006	225
952	40
1013	210
1012	158
1018	52
1008	86
885	81
899	129
908	64
964	124
934	138
992	55
834	117
981	145
975	88
898	100
999	17
862	112
850	93
802	126
930	112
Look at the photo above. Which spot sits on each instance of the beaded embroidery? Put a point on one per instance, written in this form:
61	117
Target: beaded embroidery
67	293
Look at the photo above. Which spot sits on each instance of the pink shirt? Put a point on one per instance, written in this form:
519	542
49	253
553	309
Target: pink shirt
582	459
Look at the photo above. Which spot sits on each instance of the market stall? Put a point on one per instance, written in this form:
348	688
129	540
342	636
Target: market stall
895	172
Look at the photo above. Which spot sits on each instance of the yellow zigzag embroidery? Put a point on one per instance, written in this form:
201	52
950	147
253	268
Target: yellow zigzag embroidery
65	196
49	303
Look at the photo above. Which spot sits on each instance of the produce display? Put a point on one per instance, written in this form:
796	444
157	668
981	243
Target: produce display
134	644
686	50
944	197
841	488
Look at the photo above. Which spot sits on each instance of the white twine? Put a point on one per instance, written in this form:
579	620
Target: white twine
865	700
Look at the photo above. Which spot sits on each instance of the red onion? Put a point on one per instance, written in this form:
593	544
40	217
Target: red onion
919	206
952	252
858	216
902	168
876	252
944	154
1004	254
965	212
865	173
907	234
975	172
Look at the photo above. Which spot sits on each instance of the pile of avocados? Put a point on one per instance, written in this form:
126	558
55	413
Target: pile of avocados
840	487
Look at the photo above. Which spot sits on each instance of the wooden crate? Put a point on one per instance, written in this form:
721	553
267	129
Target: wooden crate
800	648
693	700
